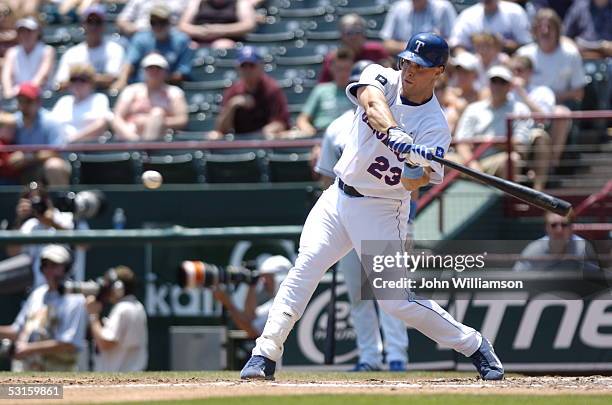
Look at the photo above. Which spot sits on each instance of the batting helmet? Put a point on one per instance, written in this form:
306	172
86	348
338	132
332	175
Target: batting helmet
358	69
426	49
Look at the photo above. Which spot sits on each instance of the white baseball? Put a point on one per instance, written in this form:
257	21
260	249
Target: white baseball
152	179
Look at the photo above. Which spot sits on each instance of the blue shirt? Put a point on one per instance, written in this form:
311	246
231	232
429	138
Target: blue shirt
45	131
586	21
175	49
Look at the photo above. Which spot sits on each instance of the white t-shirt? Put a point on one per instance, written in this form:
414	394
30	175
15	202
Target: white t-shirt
540	95
333	143
75	117
367	163
106	58
127	325
27	64
510	21
560	70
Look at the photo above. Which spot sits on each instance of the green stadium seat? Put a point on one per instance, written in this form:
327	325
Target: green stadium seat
199	100
461	5
300	56
299	9
362	7
277	31
323	31
201	122
183	168
289	167
296	97
234	167
106	168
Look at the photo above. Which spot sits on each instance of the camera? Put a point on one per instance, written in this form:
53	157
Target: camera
99	288
195	273
39	204
84	204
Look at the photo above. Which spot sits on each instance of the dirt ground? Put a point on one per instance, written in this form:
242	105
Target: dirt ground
96	388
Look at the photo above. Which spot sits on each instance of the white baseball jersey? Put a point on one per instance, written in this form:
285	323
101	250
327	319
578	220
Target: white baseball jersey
367	163
333	143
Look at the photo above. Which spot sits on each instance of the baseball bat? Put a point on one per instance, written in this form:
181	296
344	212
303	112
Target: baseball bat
530	196
330	339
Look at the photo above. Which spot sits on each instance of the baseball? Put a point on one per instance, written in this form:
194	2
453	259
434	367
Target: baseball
152	179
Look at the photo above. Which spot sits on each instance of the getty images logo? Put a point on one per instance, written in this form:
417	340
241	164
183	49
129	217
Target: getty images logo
418	45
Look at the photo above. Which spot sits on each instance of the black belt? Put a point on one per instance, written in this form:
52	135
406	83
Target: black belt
348	190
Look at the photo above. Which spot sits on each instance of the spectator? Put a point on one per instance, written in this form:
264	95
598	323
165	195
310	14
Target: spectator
466	69
559	249
29	61
353	36
487	119
35	126
539	99
35	212
251	314
327	101
8	174
561	7
50	328
452	106
22	8
504	18
217	23
76	7
105	56
145	111
82	114
409	17
488	48
8	33
122	338
588	23
556	60
164	39
135	15
255	103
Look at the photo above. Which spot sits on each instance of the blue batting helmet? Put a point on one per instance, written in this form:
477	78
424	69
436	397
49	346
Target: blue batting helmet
426	49
358	69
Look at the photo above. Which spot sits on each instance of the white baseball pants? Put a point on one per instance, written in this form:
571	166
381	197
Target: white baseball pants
336	224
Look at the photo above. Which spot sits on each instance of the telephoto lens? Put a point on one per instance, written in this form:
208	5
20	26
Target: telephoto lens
198	274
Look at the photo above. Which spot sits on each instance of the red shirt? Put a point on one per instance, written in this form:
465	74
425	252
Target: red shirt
270	105
374	51
6	171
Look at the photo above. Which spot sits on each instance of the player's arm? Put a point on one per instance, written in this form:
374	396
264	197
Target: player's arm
376	107
412	182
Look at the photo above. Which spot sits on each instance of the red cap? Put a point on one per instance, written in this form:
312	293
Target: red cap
29	90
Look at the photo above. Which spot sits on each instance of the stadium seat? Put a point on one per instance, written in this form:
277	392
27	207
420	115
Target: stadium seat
323	31
277	31
65	35
461	5
300	56
106	168
201	122
289	76
299	9
597	91
201	101
234	168
49	98
296	98
212	74
289	167
362	7
183	168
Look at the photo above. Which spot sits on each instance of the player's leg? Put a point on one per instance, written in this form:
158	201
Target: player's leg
396	341
322	243
363	314
387	220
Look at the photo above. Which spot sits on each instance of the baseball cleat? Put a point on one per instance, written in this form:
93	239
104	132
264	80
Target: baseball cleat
397	365
364	367
487	363
258	368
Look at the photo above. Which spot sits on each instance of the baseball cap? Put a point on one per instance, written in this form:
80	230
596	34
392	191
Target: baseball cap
56	254
160	11
275	264
466	61
501	72
96	9
154	59
28	23
29	90
248	54
426	49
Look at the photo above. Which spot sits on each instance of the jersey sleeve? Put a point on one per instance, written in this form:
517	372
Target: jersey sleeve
434	138
376	76
328	156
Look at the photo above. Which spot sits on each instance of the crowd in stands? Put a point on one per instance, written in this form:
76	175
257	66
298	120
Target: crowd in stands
126	72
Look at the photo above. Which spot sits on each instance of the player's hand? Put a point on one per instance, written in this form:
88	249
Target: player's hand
399	140
421	155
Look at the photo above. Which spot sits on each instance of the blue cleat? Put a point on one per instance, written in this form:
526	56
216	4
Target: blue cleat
487	363
364	367
397	365
258	368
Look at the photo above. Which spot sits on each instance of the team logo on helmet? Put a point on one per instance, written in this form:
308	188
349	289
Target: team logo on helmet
418	45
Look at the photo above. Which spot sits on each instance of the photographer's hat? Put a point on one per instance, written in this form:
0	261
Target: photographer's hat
275	264
56	254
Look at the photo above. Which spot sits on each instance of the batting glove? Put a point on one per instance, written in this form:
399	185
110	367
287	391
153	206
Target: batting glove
399	140
421	155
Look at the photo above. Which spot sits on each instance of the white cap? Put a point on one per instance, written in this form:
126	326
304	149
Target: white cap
500	71
275	264
29	23
466	61
56	254
154	59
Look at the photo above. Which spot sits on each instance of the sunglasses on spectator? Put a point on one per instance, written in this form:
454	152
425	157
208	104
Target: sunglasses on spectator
159	23
353	32
247	65
80	79
499	80
557	224
25	100
94	21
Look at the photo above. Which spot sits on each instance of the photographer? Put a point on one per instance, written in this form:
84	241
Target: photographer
35	211
50	329
122	339
251	314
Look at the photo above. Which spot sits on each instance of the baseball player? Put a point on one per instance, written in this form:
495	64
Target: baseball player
396	129
363	312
